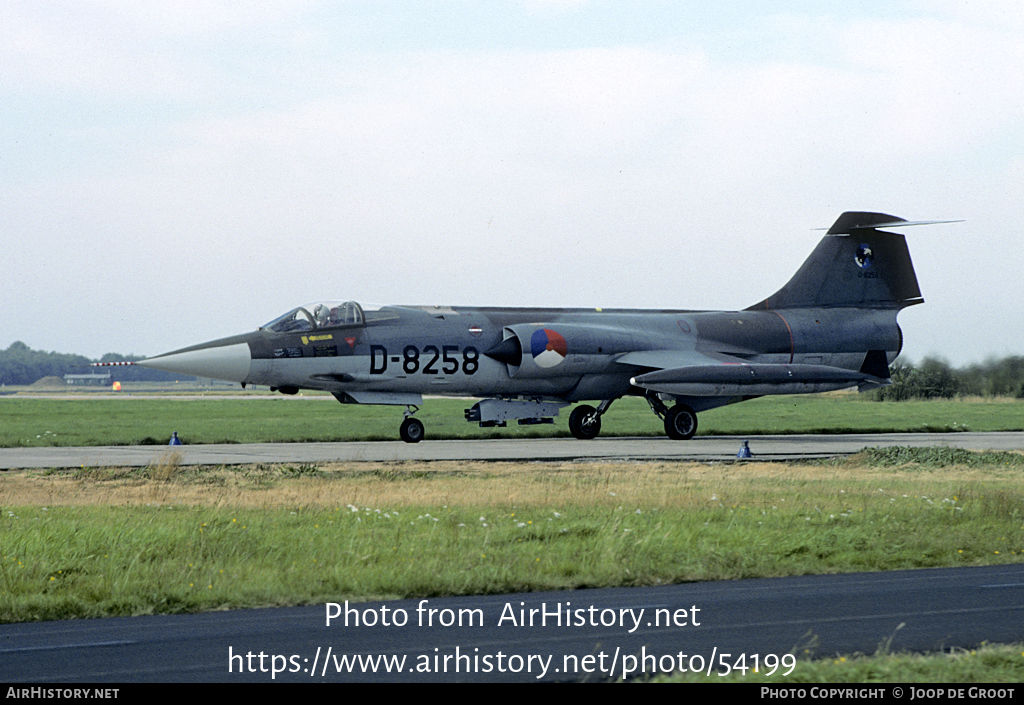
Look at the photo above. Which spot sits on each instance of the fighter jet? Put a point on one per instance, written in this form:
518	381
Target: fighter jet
832	326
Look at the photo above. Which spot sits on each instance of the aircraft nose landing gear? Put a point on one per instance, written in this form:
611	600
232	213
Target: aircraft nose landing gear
411	429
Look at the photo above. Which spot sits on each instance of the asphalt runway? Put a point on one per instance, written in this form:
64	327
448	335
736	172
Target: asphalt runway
585	634
701	448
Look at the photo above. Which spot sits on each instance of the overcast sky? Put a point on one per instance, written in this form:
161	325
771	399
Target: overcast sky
181	171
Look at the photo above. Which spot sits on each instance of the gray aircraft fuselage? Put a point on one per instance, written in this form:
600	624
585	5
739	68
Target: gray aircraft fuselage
831	327
423	350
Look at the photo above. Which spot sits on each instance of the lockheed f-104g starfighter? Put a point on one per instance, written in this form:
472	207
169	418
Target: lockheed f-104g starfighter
832	326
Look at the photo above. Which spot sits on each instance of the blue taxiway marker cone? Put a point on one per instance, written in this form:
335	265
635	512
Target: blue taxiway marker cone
175	441
745	451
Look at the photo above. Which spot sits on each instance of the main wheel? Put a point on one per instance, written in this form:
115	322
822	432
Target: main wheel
680	422
411	430
584	422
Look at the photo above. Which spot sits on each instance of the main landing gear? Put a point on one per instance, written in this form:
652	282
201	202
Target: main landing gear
411	429
680	420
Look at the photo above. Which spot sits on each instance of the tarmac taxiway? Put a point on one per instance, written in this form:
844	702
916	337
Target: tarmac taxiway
698	449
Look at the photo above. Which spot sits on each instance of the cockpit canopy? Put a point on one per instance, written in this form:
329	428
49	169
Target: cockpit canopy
327	314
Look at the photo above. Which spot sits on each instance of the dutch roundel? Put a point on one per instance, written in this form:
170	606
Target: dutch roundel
548	348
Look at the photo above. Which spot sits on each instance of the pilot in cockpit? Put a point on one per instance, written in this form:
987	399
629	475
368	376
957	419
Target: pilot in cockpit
335	317
321	315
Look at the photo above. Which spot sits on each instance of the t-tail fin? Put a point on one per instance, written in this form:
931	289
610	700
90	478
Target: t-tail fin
854	265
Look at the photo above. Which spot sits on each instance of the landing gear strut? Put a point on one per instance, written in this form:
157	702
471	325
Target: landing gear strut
585	420
411	429
680	420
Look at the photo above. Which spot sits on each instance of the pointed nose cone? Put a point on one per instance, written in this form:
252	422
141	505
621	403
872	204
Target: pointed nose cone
227	359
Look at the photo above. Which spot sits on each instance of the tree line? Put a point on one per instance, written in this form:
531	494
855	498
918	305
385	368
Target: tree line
934	378
21	365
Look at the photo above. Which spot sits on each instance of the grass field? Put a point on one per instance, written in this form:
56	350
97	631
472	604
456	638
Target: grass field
126	420
94	542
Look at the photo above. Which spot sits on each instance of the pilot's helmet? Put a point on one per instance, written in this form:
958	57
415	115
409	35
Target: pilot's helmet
320	313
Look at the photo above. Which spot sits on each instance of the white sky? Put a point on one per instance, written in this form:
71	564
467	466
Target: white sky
176	172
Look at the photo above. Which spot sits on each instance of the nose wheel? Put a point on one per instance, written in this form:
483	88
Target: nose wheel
411	430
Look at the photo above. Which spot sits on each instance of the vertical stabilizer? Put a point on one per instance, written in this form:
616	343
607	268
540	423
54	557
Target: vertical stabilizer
854	265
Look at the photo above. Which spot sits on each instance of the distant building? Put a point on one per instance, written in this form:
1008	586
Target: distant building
94	378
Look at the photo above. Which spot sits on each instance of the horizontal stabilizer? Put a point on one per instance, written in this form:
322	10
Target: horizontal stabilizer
860	220
752	380
903	224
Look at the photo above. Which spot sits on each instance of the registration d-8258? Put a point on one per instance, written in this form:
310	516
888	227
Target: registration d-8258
431	360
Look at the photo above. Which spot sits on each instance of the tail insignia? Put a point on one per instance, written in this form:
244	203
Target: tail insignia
864	257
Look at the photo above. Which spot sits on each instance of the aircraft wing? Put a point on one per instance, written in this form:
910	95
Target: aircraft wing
667	359
690	373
